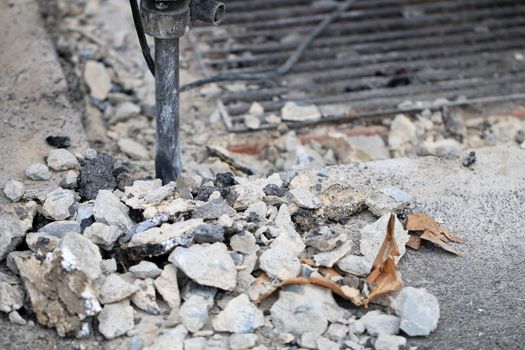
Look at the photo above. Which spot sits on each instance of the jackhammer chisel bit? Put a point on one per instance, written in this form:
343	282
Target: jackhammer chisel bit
166	21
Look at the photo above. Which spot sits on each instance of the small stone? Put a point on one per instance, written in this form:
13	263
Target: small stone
378	323
103	235
95	175
469	160
11	296
305	199
340	203
336	331
145	269
274	190
194	313
144	194
355	264
244	243
90	154
326	344
59	204
387	200
252	121
14	190
209	265
115	289
239	316
97	79
79	253
61	159
110	211
446	148
136	343
15	256
69	180
123	112
133	149
14	317
328	259
373	146
389	342
170	339
40	242
373	236
144	298
167	286
418	309
58	141
402	132
38	172
196	343
116	319
11	233
209	234
280	262
259	209
242	341
213	209
301	309
256	109
108	266
520	136
293	112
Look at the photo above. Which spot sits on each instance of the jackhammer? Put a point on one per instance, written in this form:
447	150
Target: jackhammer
166	21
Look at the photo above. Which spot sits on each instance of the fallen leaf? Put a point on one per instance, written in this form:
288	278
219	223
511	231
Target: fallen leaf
384	276
414	242
432	232
429	236
345	292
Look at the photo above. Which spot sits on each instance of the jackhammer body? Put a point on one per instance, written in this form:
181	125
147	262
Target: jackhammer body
166	21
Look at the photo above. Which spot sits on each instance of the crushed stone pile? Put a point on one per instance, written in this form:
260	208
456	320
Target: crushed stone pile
224	263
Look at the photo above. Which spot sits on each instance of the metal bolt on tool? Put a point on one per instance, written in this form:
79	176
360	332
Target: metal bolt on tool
166	21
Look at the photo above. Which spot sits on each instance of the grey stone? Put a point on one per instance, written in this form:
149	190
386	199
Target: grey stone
373	236
11	296
193	288
418	309
103	235
110	211
244	243
378	323
70	179
208	234
170	339
26	213
97	79
136	343
41	242
213	209
209	265
239	316
258	208
59	204
145	269
124	111
196	343
446	148
11	233
60	228
108	266
167	237
387	200
373	146
402	132
79	253
291	111
115	289
12	257
242	341
328	259
38	172
61	159
194	313
356	264
339	203
324	240
133	149
389	342
326	344
302	309
167	286
280	262
116	319
336	331
14	190
144	194
144	298
14	317
304	198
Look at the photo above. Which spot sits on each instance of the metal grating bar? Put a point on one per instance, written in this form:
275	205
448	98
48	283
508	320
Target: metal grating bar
375	56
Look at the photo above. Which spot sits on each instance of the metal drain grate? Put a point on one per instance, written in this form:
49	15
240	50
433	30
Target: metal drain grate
380	57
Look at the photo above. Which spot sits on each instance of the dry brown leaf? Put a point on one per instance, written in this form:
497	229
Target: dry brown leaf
414	242
432	231
347	293
428	236
384	276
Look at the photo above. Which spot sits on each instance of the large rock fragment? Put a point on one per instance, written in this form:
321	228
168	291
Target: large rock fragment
194	313
11	233
11	293
213	209
145	269
167	286
144	298
304	198
116	319
61	296
302	309
102	234
60	228
110	211
14	190
79	253
387	200
239	316
144	194
97	79
209	265
281	262
340	203
115	288
418	309
61	159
